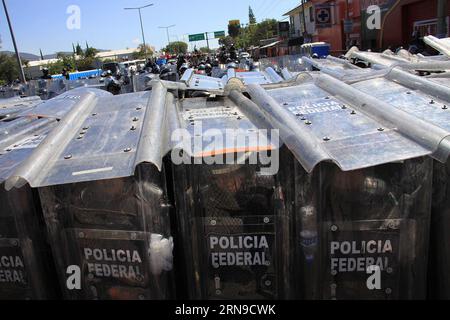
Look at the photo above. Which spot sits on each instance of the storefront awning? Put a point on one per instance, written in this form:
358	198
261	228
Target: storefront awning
296	42
270	45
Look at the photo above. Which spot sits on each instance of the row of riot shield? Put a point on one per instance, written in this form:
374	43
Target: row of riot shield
154	196
249	233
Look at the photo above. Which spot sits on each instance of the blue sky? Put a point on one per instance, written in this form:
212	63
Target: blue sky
105	25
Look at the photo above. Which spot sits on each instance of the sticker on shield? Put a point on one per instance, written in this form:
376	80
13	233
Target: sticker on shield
360	252
114	268
211	113
13	275
241	257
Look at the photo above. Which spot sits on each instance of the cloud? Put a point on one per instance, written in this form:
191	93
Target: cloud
136	41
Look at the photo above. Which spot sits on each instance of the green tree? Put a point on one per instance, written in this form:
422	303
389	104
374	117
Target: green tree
79	50
90	52
141	53
226	41
9	70
176	47
63	61
85	63
252	34
234	30
205	50
251	16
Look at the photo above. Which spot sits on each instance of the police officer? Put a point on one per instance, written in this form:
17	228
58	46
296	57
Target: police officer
180	62
183	69
208	69
112	85
233	54
65	74
232	65
45	74
201	69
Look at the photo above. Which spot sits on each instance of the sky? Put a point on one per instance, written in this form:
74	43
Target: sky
104	24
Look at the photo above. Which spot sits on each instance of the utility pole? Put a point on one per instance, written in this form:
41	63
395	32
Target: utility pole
167	30
441	17
142	26
19	61
305	31
207	40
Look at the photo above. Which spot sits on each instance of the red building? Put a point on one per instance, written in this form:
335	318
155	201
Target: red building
399	19
334	34
405	17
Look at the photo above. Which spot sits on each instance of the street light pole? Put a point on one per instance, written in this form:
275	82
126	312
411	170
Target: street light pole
207	40
19	61
142	25
167	31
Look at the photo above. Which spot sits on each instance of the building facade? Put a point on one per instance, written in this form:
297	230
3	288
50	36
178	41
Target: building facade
345	23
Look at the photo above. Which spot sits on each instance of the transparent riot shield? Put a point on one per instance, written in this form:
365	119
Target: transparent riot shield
235	232
440	247
117	232
25	264
363	234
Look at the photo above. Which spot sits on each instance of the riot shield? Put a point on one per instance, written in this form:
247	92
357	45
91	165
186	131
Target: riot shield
362	221
234	225
440	250
117	232
105	203
26	266
364	234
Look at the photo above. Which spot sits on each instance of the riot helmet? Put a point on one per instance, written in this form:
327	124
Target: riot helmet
208	68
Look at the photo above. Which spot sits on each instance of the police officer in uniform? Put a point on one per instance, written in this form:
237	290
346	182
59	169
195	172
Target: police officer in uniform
45	74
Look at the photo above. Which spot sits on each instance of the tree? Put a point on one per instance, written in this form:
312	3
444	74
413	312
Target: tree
252	34
85	63
233	30
9	70
205	50
141	53
90	52
64	61
176	47
251	16
79	50
226	41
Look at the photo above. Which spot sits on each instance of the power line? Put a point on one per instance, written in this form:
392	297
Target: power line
263	4
274	5
263	8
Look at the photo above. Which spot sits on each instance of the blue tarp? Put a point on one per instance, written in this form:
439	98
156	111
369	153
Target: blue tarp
78	75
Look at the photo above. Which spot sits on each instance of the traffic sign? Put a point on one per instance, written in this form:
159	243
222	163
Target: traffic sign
219	34
196	37
348	26
323	16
